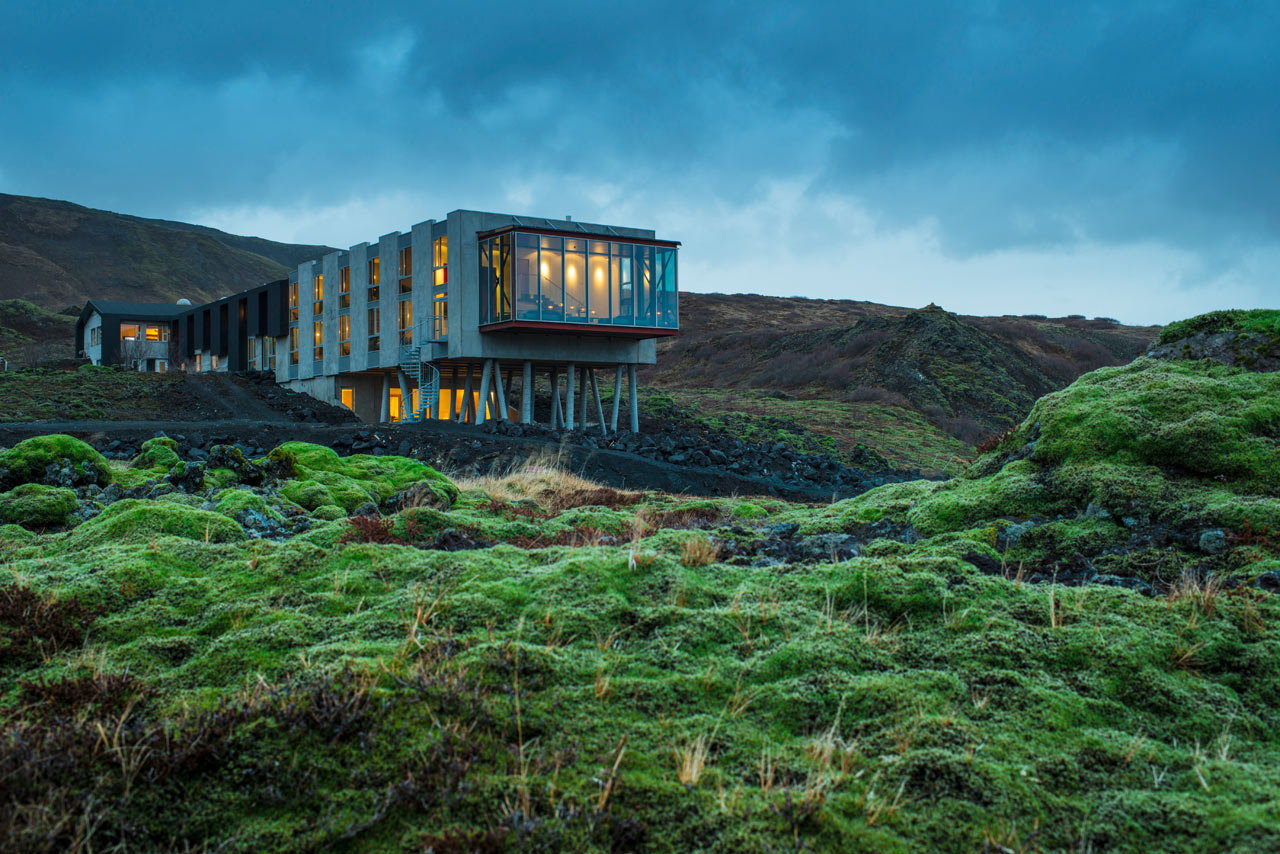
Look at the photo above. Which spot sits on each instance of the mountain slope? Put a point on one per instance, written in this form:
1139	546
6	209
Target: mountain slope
57	254
876	374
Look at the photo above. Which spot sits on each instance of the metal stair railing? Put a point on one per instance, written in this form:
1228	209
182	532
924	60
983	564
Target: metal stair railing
429	391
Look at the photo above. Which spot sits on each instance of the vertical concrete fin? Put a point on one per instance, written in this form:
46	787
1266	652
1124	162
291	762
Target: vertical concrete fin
526	394
635	398
569	413
617	398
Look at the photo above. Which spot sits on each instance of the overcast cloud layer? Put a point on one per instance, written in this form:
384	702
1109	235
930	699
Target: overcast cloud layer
1117	159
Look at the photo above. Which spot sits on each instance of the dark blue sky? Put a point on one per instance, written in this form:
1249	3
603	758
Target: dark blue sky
1110	158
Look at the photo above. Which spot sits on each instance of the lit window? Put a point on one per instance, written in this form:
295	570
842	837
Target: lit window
318	350
215	361
252	344
344	335
348	398
293	345
440	318
271	354
319	300
375	327
128	331
375	277
293	301
406	261
157	333
406	323
406	286
199	362
344	288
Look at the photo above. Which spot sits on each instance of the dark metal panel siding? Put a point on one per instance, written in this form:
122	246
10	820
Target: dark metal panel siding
278	309
110	339
221	318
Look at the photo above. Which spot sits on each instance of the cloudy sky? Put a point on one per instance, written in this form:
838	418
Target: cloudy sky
1117	158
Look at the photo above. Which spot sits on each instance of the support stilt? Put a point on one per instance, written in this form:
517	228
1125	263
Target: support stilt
499	392
617	398
556	418
595	389
526	394
583	394
464	406
569	413
482	406
635	398
386	398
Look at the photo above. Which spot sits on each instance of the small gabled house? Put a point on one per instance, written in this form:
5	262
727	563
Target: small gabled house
135	334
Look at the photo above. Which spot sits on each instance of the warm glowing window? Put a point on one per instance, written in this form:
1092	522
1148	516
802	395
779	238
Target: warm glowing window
440	318
271	354
344	288
293	301
319	300
128	331
440	260
406	261
406	323
348	398
293	345
375	276
375	327
157	333
252	344
199	362
214	357
318	340
344	335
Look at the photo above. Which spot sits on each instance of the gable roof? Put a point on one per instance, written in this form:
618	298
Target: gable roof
139	310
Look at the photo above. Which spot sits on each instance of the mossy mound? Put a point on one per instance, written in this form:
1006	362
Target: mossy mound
232	502
158	453
27	461
1263	321
1151	455
134	520
34	505
354	480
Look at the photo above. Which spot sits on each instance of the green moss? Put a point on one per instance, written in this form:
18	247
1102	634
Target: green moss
133	520
329	512
307	494
231	502
158	453
36	506
1265	321
11	534
749	510
26	461
359	478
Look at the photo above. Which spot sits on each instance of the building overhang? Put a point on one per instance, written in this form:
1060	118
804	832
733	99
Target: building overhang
581	235
595	330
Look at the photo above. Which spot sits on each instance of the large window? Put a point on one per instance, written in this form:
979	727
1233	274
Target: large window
344	335
375	328
406	270
344	288
440	260
319	301
549	278
406	323
317	352
293	345
293	302
375	277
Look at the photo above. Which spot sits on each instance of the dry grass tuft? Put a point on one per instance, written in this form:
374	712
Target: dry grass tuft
698	551
542	478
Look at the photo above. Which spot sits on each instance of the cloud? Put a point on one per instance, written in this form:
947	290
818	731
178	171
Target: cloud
1101	157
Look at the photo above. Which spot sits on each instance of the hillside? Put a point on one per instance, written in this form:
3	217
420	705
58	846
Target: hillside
906	383
1074	646
57	254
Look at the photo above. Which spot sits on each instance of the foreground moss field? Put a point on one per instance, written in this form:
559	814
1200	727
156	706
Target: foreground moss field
309	652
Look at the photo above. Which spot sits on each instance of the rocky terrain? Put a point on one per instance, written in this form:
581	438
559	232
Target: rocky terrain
1073	645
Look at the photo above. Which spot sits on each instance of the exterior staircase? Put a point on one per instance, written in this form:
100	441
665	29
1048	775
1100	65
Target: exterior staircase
427	376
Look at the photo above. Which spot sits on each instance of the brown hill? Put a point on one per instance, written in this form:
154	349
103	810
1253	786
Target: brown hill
57	254
917	385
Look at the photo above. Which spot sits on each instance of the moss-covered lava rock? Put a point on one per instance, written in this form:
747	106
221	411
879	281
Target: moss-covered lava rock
34	505
53	459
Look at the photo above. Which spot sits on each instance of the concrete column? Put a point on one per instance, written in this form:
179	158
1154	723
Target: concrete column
499	392
464	403
595	389
526	394
483	403
386	398
583	394
555	398
617	398
406	395
568	413
635	398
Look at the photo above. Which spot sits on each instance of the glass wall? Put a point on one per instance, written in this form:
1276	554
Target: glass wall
577	280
